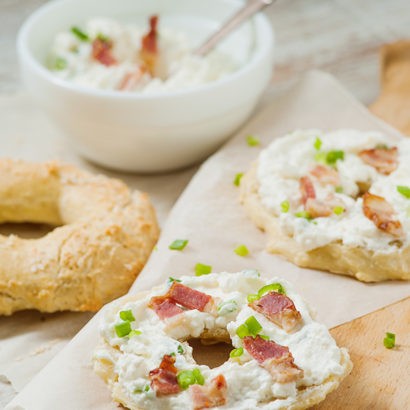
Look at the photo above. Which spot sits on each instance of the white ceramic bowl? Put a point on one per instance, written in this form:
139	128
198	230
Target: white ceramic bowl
156	132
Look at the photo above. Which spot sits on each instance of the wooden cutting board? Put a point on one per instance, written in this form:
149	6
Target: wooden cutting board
380	379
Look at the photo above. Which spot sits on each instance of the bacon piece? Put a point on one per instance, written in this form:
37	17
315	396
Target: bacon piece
326	175
279	309
307	189
188	298
211	395
317	208
385	160
276	359
130	80
149	46
101	51
164	307
381	213
164	378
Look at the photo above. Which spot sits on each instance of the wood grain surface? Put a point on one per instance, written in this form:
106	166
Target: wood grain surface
380	379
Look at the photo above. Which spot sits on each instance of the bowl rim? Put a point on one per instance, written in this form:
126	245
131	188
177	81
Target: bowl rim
264	50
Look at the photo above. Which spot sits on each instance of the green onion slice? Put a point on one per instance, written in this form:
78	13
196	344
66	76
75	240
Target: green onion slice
171	279
390	340
252	141
80	34
317	144
273	287
252	297
60	63
123	329
180	349
338	210
127	315
237	179
227	307
236	352
188	377
404	190
241	250
134	332
303	214
333	156
201	269
178	244
339	189
285	206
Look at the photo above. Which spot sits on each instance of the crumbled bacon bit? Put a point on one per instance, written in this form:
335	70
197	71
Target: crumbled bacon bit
385	160
381	213
164	307
317	208
102	51
130	80
279	309
307	189
149	46
178	295
275	358
211	395
326	175
164	378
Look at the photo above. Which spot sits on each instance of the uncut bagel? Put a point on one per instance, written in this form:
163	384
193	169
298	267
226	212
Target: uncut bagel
364	264
114	362
103	237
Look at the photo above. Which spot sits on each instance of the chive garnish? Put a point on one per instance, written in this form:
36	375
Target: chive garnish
252	141
178	244
390	340
303	214
317	144
134	332
236	352
80	34
404	190
123	329
241	250
171	279
285	206
188	377
127	315
60	63
180	349
252	297
339	189
333	156
251	327
338	210
237	179
201	269
273	287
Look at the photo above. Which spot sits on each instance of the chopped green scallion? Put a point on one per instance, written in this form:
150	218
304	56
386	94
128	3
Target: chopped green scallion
127	315
254	327
171	279
188	377
252	297
333	156
60	63
134	332
80	34
404	190
338	210
237	179
285	206
178	244
252	141
273	287
317	144
241	250
201	269
303	214
180	349
236	352
390	340
339	189
123	329
264	337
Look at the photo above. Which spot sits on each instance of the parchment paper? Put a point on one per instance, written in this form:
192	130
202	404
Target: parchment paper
209	215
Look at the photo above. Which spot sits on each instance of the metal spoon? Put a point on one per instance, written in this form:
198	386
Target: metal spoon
248	10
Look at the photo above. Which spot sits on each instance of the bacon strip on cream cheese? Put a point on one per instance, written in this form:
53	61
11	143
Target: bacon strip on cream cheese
279	309
164	378
276	359
210	395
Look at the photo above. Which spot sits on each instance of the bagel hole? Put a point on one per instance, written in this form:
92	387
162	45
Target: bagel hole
26	230
211	355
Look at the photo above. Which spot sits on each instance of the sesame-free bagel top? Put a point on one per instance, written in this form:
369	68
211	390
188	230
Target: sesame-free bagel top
283	359
103	237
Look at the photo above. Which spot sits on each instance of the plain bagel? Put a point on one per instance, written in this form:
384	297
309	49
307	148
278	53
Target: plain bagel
104	234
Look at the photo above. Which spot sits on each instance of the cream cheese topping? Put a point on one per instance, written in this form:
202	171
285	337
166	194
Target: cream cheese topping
249	384
178	64
287	159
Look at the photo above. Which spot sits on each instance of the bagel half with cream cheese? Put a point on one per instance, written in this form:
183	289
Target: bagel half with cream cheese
282	358
336	201
103	237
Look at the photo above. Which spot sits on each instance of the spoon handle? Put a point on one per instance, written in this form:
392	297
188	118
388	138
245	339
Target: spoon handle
248	10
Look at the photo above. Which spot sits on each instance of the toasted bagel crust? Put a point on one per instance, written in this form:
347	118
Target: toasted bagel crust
103	237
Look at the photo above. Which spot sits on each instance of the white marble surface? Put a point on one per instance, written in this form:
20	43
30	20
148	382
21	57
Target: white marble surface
339	36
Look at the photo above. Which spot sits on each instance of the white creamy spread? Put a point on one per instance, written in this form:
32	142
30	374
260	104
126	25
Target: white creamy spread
71	59
249	384
287	159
